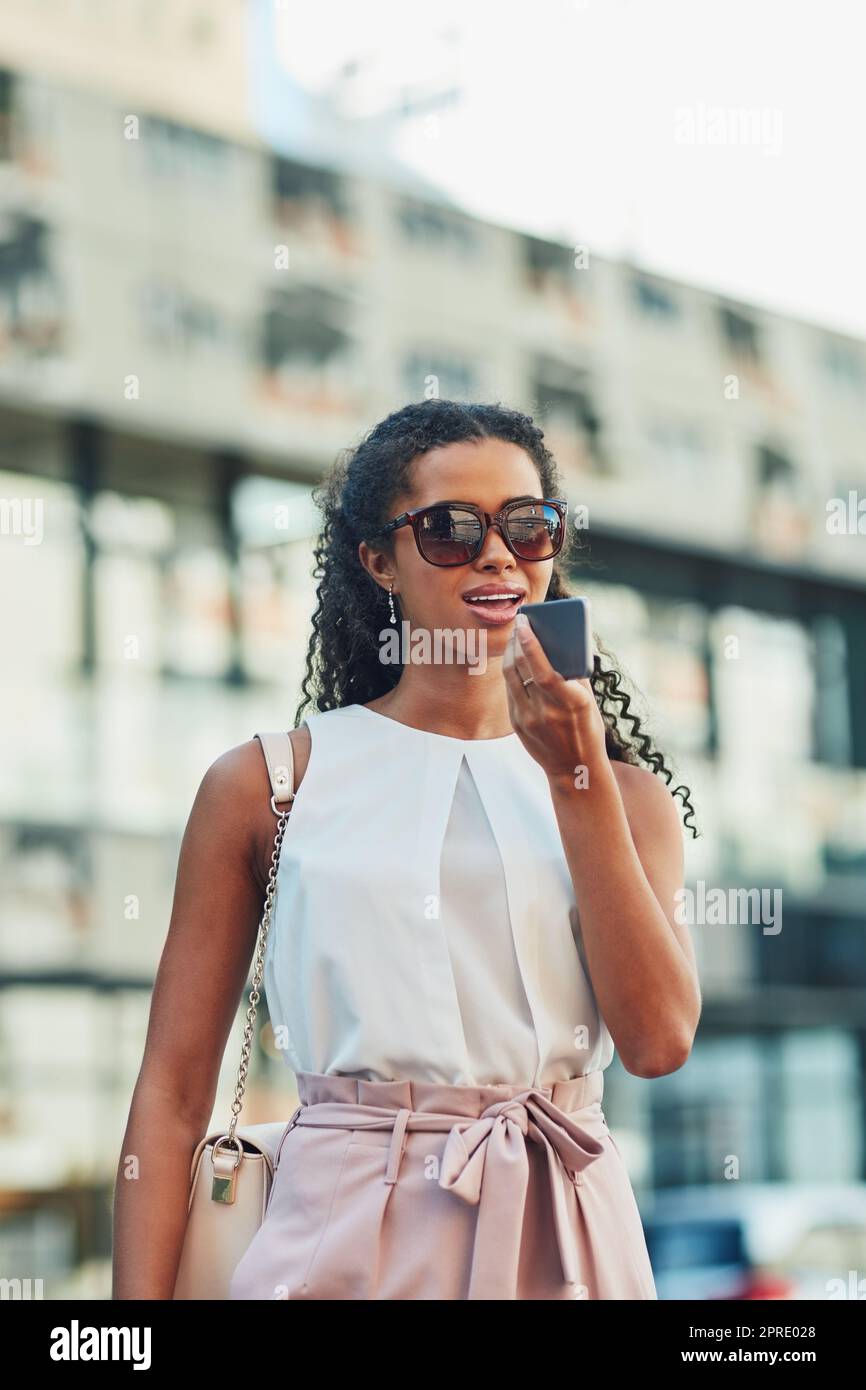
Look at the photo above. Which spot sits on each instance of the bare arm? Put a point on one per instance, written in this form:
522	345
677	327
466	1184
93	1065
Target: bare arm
218	899
623	844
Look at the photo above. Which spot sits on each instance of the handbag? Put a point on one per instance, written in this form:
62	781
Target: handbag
233	1170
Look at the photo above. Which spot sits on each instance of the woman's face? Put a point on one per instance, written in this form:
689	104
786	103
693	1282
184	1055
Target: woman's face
488	472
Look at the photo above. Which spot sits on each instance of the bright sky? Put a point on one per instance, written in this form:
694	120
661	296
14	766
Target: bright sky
621	124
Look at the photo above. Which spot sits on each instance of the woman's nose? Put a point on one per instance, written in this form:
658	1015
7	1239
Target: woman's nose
498	544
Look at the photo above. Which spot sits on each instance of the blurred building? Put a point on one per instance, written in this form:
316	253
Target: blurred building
191	327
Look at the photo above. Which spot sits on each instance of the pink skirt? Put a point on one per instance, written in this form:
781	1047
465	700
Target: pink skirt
415	1190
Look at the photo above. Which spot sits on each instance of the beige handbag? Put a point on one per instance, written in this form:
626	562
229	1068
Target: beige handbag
233	1170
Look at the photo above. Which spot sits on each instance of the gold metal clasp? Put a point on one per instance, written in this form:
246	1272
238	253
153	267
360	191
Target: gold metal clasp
224	1176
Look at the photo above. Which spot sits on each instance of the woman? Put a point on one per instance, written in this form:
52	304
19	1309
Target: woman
476	903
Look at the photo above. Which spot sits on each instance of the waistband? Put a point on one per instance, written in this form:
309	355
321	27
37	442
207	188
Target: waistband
315	1087
485	1162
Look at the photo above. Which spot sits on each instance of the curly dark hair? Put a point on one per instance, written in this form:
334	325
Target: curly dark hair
355	497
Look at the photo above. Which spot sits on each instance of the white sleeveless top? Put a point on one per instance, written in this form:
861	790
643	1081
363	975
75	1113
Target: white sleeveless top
424	925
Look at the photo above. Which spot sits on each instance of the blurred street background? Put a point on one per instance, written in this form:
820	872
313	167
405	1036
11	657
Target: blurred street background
232	237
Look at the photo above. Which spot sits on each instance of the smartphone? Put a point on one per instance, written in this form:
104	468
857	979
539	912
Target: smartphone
562	626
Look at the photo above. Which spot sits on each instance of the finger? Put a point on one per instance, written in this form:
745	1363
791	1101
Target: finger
534	660
521	663
514	668
530	654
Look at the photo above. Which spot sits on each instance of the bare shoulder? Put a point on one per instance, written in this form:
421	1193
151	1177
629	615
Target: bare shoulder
649	805
237	785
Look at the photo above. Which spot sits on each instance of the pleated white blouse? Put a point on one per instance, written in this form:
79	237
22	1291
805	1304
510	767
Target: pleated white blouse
424	924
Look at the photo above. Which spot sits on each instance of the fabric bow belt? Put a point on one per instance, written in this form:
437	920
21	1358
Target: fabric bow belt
485	1163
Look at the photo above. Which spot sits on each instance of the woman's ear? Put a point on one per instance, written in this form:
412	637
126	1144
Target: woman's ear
377	564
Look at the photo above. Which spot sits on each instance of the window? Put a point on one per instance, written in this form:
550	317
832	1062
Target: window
845	363
47	897
547	258
833	724
7	90
180	152
770	667
782	507
41	555
276	522
677	450
179	321
197	613
297	184
133	537
740	333
30	293
787	1102
565	401
653	299
456	378
303	325
550	266
438	228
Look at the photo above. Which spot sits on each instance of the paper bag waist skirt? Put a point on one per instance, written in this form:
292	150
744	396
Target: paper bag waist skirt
416	1190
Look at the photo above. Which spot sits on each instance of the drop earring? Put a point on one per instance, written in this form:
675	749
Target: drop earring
391	602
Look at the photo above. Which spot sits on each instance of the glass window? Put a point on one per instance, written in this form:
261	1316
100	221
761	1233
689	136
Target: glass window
833	727
660	645
546	261
820	1106
306	325
714	1107
182	152
176	320
677	452
308	358
455	377
764	681
41	562
198	612
844	362
277	523
783	509
31	293
296	185
678	685
740	333
565	400
46	895
653	298
437	228
7	91
133	534
314	203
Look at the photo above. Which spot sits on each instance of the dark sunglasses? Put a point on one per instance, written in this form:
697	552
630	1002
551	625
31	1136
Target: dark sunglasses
453	533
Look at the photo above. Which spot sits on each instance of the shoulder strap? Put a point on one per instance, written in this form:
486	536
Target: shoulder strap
279	757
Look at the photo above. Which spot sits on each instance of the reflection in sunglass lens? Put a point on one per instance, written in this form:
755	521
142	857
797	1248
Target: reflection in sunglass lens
449	536
534	531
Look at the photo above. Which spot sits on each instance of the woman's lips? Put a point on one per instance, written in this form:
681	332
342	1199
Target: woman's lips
494	613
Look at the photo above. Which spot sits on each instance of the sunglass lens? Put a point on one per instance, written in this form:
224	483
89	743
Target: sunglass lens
535	531
449	536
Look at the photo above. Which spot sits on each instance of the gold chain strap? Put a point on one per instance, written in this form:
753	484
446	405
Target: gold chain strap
264	925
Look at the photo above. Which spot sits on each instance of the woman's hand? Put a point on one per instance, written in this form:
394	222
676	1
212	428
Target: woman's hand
558	721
